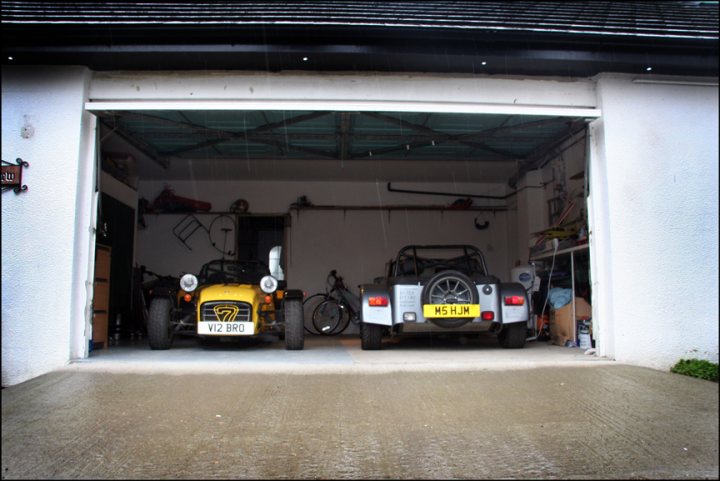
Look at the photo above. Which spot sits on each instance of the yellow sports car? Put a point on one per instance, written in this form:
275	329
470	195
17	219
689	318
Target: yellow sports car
228	298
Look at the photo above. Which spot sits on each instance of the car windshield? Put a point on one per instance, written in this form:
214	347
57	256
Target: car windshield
427	260
232	271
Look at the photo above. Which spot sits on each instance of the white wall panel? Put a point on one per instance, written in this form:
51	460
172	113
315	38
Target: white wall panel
655	188
459	90
356	242
46	237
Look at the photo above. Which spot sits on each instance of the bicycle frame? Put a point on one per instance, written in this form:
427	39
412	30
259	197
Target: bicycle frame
337	307
344	296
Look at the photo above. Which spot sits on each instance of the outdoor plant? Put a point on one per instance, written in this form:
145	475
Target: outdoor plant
697	368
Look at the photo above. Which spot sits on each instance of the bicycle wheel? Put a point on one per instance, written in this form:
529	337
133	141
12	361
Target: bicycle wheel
327	316
309	305
343	322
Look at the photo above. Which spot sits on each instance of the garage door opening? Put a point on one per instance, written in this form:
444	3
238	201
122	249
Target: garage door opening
343	189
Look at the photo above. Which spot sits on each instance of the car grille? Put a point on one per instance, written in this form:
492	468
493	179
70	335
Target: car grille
226	311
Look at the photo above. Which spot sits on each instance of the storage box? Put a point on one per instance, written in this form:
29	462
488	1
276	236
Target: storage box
102	263
100	330
101	299
563	327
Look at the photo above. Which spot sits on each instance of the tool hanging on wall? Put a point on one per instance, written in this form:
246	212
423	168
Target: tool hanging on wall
453	194
168	201
240	206
482	226
223	227
184	229
460	204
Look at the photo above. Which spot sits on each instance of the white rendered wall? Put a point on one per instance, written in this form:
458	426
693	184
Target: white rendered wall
352	90
47	242
655	221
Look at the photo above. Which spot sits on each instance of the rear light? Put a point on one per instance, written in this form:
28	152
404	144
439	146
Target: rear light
487	315
514	300
378	301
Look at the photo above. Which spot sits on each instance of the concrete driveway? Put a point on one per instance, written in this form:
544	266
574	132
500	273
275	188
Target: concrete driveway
418	409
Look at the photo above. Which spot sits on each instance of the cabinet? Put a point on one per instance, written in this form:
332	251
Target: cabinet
101	296
572	266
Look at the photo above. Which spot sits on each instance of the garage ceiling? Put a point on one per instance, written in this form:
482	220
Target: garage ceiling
336	145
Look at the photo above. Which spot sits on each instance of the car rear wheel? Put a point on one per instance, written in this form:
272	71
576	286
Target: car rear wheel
294	325
512	336
450	287
159	327
370	336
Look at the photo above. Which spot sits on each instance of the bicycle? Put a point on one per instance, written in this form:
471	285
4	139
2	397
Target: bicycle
332	311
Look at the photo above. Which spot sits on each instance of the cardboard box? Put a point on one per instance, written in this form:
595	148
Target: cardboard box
102	263
100	330
563	327
101	298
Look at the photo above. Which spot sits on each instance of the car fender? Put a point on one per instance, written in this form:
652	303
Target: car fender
511	314
381	315
174	300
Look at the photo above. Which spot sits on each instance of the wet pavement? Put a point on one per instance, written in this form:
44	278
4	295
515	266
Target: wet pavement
418	409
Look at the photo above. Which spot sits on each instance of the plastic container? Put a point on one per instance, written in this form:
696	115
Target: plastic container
584	340
525	275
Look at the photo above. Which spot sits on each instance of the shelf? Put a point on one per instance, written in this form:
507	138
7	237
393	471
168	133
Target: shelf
228	212
346	208
399	207
570	252
549	254
101	296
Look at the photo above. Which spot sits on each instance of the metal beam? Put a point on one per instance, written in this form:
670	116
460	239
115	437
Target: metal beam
109	107
144	147
344	139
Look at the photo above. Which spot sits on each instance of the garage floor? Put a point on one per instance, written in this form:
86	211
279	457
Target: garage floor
417	409
336	354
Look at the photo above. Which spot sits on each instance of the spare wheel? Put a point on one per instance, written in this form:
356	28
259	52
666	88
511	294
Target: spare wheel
450	287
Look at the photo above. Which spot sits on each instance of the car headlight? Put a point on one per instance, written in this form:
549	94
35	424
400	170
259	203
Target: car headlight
268	284
188	283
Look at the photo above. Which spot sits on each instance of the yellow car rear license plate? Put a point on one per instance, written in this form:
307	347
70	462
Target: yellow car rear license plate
451	310
226	328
